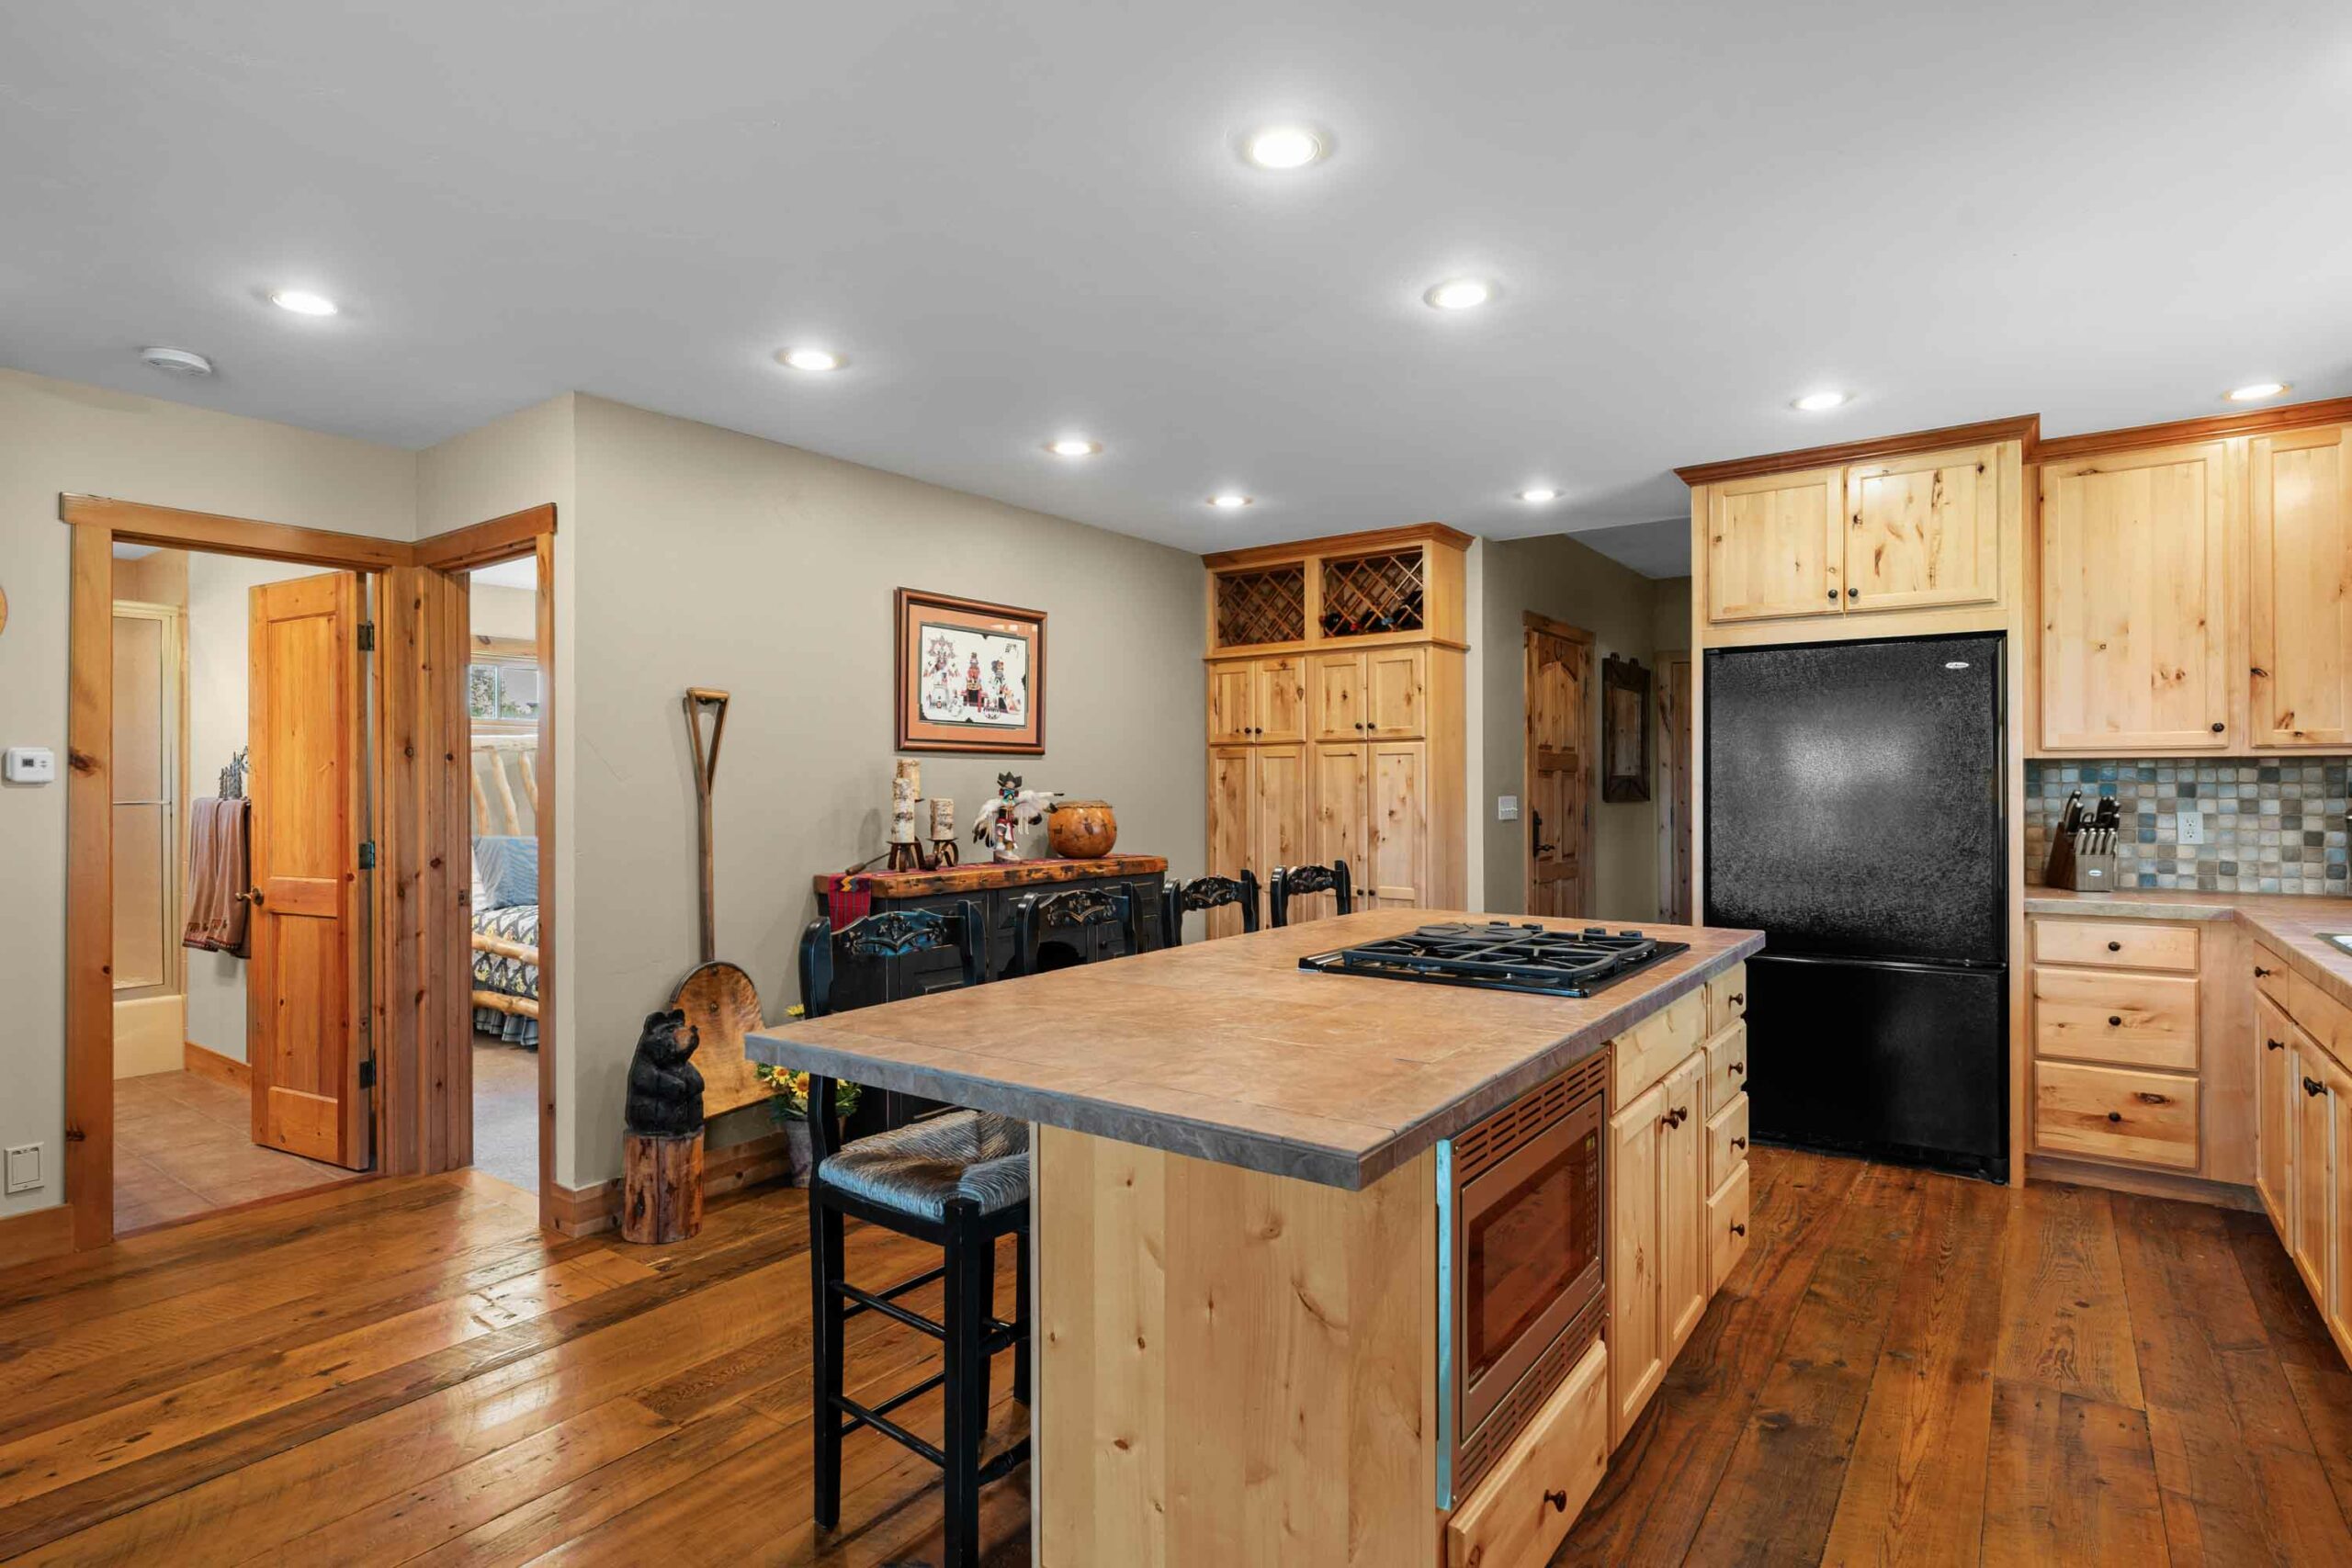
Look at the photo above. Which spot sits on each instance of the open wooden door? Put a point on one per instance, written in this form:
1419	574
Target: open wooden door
1559	767
304	987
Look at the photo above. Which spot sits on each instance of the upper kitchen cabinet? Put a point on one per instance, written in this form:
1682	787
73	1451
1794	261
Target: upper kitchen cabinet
1355	591
1909	535
2299	582
2136	601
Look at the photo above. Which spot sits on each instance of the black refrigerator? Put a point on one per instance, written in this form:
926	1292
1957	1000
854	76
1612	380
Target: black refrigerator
1854	815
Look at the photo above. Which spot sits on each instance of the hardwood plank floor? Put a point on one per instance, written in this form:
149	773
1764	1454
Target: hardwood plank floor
1906	1368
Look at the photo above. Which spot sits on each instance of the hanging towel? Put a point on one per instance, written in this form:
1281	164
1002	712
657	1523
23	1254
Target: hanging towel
217	877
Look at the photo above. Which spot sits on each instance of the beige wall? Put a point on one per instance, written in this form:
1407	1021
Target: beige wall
1557	577
1670	617
59	436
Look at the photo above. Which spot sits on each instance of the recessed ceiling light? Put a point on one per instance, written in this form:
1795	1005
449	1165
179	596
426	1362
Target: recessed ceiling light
1283	147
1073	447
2256	392
1229	501
810	358
302	302
176	361
1819	403
1538	495
1460	294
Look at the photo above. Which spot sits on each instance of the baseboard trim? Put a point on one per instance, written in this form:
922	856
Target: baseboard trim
207	1062
40	1233
584	1210
2143	1183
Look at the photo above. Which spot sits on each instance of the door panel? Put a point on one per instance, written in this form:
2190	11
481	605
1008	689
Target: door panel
1559	772
2337	1301
1343	787
303	1002
1637	1350
1232	703
1396	858
2301	598
2312	1167
1773	545
2135	601
1681	1207
1336	693
1232	808
1397	693
2275	1091
1281	713
1278	835
1923	531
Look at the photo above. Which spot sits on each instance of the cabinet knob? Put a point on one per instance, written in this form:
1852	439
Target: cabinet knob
2115	1020
1739	1066
2115	947
2313	1087
1739	1142
1833	596
1740	1227
1559	1500
2115	1116
1853	593
1738	998
2274	1044
2260	973
2217	727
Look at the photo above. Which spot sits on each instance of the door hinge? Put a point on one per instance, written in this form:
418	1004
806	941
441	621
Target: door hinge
368	855
368	1072
366	637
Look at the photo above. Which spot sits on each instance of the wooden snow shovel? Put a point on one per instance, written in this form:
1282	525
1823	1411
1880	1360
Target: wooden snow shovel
717	998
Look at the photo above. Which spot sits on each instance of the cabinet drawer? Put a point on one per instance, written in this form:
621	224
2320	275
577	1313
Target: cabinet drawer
1727	997
1726	1228
1522	1512
2116	944
1726	1141
1726	1067
1645	1054
2115	1113
2327	1022
2133	1020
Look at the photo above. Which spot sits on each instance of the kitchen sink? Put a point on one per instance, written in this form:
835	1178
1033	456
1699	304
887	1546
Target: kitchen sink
2341	941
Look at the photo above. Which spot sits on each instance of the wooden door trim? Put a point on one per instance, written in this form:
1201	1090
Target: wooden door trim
486	543
1531	622
137	523
2025	428
1533	625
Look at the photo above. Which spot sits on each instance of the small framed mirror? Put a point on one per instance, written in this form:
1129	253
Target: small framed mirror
1624	731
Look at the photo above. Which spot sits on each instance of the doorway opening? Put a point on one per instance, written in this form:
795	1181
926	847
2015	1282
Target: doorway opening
1561	768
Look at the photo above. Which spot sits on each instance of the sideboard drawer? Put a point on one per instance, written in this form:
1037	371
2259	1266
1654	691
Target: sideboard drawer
1522	1512
2116	944
2133	1020
2115	1113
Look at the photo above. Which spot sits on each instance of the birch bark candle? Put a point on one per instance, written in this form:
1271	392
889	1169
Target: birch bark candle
904	787
943	818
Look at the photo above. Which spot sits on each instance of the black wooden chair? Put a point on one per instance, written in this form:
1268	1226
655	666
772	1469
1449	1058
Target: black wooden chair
960	1181
1079	909
1208	893
1291	880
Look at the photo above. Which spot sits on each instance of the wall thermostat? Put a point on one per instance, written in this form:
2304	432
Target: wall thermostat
30	764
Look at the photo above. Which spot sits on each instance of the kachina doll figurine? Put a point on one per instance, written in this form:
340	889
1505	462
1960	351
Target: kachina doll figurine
1013	810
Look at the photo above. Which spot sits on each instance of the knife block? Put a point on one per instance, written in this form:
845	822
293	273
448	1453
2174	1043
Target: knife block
2068	867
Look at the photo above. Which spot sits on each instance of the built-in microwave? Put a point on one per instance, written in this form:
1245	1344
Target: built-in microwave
1519	1263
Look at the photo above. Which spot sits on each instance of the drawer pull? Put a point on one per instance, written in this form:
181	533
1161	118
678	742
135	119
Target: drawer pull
2260	973
1559	1500
1737	1066
1739	1142
2274	1044
2313	1087
2115	1116
2115	947
2217	727
2115	1020
1738	998
1676	1117
1740	1227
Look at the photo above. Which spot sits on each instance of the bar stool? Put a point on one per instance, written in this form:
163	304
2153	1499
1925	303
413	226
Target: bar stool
1289	880
959	1181
1079	909
1208	893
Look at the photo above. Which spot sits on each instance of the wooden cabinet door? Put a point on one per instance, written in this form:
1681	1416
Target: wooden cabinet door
1396	694
2337	1302
2313	1205
2300	604
1343	787
1232	821
1281	713
2274	1108
1923	531
1774	546
1233	703
1334	691
1636	1348
1682	1202
1278	834
2136	601
1397	850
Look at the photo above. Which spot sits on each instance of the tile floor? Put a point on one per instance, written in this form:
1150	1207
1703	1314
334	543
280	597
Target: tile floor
183	1145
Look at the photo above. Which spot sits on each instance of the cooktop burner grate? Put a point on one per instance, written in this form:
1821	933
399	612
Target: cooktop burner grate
1501	956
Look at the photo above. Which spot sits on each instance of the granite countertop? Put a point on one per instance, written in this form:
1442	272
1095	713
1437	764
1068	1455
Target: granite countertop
2289	924
1227	1051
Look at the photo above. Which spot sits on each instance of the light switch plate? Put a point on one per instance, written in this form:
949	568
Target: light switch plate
2190	828
1506	808
24	1167
30	764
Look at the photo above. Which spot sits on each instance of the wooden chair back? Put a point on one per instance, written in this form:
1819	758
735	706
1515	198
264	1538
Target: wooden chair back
1208	893
1294	879
894	933
1078	908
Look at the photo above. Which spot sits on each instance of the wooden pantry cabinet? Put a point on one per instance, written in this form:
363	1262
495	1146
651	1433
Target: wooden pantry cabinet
2303	1157
1336	728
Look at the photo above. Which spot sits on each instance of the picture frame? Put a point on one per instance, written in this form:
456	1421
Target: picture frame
969	675
1624	731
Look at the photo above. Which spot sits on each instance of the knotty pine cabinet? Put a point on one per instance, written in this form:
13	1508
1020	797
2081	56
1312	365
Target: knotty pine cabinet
2304	1122
2299	536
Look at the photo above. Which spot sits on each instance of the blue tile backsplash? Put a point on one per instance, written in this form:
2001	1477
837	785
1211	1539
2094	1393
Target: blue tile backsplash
2272	824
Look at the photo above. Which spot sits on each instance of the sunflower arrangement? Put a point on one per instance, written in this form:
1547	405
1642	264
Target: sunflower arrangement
788	1093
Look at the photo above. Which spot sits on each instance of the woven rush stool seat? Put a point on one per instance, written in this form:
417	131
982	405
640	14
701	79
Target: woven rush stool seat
919	1170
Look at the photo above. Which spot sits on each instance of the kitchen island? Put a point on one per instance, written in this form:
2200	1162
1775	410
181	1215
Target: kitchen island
1236	1218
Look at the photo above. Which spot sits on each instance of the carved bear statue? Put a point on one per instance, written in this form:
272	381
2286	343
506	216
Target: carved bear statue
664	1088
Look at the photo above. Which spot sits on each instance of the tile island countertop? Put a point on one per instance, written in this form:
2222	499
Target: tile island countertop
1225	1050
2290	924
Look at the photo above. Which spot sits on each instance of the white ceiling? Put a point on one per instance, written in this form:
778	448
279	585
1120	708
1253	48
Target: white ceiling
1019	222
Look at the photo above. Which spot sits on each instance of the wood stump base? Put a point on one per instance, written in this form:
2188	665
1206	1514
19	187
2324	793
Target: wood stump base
661	1187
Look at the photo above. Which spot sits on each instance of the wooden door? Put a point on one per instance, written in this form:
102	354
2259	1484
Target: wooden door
1233	806
1924	530
1343	787
303	985
2302	600
1774	546
1278	830
1636	1349
1336	697
1396	694
2136	601
1281	714
1233	692
1397	850
1673	752
2274	1108
2312	1209
1682	1202
1559	771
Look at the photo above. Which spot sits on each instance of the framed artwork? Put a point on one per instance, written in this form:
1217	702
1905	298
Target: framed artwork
971	676
1624	731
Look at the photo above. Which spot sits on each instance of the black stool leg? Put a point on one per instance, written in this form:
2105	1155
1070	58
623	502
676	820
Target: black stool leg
1021	1314
825	1268
971	1268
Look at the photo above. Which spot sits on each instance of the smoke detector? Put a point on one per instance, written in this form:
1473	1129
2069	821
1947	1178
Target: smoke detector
176	361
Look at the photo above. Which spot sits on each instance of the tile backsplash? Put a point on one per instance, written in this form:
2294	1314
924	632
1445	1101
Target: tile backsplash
2271	824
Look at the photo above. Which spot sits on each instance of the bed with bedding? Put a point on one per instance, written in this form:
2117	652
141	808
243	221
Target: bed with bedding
506	938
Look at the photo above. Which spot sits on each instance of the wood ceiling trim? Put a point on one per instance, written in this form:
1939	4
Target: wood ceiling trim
2182	431
2023	428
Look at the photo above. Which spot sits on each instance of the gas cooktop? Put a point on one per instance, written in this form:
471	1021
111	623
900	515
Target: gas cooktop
1499	956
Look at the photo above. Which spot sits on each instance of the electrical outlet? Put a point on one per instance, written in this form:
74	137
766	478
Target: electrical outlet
24	1167
1506	808
2190	828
